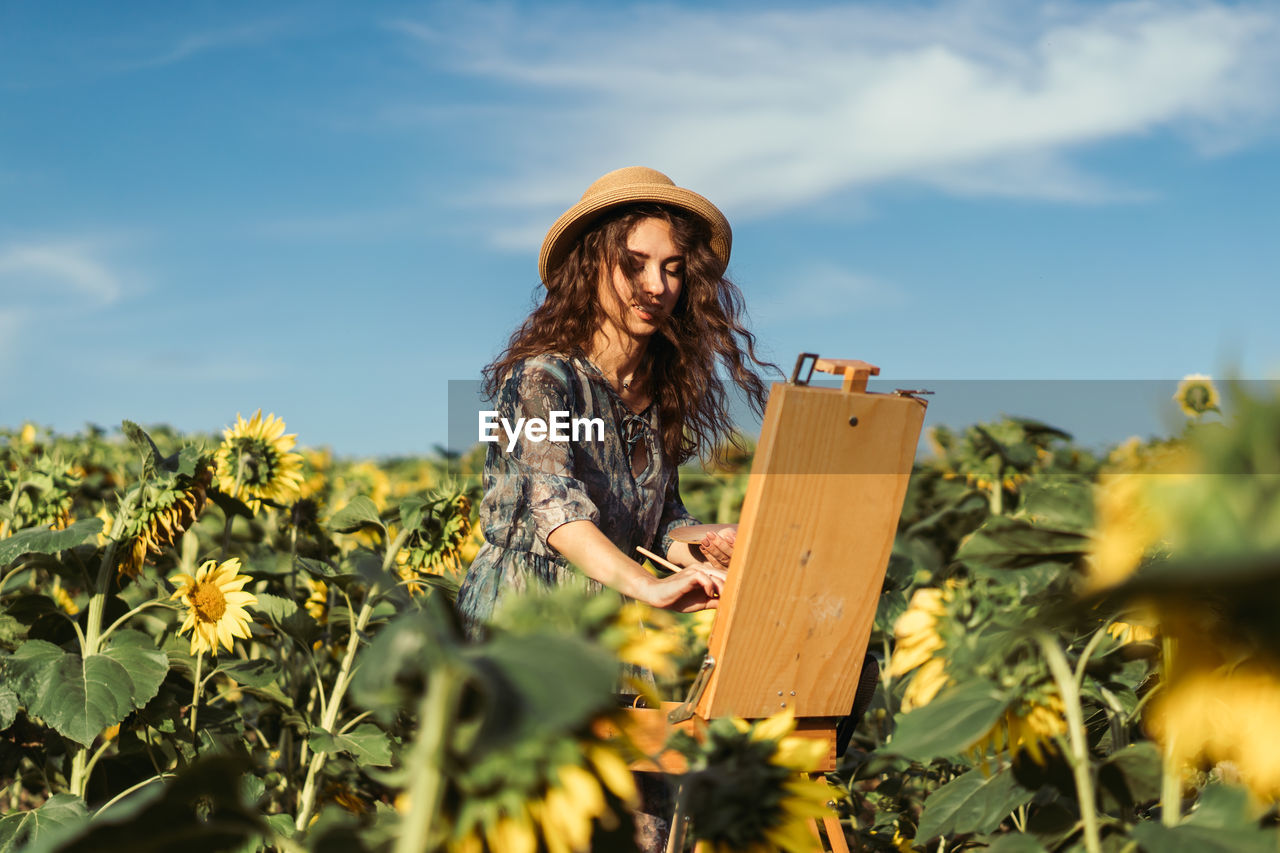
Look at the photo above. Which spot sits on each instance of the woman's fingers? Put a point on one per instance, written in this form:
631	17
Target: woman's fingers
717	547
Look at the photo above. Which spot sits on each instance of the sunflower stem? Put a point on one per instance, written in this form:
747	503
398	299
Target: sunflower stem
226	534
92	638
1078	754
195	698
426	790
1170	774
330	716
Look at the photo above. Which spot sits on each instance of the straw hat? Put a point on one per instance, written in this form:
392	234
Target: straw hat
631	185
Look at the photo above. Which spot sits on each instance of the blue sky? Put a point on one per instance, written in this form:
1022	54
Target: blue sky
333	210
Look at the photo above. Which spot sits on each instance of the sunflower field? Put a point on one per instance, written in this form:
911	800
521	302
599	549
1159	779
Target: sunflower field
232	642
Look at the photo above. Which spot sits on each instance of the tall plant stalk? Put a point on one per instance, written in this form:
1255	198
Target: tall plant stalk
307	801
1078	751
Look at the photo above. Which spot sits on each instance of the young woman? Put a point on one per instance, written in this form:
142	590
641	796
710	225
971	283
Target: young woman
636	319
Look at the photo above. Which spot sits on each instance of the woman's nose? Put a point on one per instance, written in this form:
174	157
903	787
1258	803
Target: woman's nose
654	281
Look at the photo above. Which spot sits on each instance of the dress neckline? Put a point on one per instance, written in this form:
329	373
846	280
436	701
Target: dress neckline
613	391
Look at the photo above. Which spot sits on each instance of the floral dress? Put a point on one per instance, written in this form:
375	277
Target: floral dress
634	499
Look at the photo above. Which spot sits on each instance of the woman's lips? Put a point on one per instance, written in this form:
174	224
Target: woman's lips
646	313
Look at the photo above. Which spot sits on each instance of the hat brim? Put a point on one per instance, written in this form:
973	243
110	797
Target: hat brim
577	219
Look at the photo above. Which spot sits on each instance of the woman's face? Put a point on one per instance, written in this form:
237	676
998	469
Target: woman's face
656	266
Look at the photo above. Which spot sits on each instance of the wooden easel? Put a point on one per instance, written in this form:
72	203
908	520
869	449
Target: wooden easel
822	506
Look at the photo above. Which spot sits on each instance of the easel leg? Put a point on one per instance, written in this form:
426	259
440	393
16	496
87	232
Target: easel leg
679	824
835	834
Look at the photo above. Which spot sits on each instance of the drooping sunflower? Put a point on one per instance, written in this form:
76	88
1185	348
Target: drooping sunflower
1031	725
435	543
748	788
216	602
165	515
256	463
918	641
1196	395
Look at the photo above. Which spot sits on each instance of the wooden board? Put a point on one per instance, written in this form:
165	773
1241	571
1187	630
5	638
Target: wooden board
817	527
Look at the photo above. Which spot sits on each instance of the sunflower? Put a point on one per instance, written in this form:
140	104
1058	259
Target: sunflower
1031	726
1215	716
1130	632
216	605
647	639
1196	395
561	814
750	789
256	462
918	642
317	603
162	520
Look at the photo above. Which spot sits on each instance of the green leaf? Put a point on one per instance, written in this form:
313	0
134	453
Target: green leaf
201	811
1059	503
1012	543
972	802
76	697
9	704
540	684
251	673
1189	838
24	829
275	607
1016	842
952	722
356	515
1130	777
367	743
282	825
145	664
411	512
41	541
1222	807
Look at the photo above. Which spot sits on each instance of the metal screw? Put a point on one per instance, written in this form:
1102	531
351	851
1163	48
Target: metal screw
779	692
782	704
853	421
793	693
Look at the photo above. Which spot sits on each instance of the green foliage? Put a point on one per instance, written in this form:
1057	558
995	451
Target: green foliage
355	688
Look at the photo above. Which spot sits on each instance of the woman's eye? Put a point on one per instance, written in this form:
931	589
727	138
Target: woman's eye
675	271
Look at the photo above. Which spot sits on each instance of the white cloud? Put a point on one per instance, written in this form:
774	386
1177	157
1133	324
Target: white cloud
766	110
211	40
41	268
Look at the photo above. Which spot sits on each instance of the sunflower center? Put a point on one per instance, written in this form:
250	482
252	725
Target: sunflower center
208	601
257	461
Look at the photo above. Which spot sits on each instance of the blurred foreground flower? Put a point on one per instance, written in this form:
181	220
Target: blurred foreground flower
256	462
1196	395
216	605
1212	717
747	788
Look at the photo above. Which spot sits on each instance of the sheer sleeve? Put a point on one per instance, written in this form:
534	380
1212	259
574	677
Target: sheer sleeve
673	515
554	493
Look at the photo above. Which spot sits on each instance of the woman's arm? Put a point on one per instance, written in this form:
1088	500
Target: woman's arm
582	543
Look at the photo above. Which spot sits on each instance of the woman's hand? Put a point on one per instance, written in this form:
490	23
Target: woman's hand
695	588
717	547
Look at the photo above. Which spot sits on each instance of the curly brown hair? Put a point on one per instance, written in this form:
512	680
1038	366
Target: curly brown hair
704	329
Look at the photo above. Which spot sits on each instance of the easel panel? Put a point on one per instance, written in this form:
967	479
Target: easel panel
817	527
